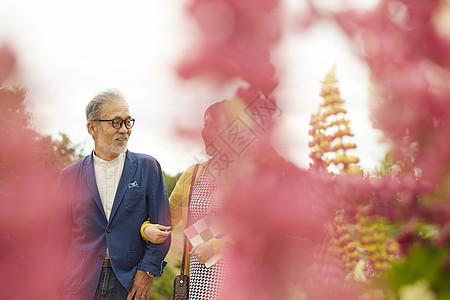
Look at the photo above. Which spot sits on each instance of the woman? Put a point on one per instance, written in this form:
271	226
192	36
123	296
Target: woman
205	283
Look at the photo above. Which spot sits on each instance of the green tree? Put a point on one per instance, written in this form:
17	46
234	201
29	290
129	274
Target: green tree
65	151
171	181
54	154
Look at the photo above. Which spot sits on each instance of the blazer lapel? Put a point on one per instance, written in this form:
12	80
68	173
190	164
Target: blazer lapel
129	169
91	183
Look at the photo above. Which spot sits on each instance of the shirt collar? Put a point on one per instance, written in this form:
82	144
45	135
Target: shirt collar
101	162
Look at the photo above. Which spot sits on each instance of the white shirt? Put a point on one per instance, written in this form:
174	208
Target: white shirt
107	176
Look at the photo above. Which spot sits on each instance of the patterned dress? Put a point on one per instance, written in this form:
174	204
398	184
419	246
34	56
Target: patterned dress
205	283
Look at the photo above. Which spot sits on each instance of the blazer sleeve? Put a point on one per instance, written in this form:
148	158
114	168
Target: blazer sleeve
159	213
178	200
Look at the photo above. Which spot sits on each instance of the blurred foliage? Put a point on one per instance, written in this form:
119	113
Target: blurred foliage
13	105
424	273
171	181
55	154
65	151
162	287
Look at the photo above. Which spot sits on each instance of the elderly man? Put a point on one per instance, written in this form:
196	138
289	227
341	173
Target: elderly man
109	194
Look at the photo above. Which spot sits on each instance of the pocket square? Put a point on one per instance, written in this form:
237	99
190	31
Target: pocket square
133	184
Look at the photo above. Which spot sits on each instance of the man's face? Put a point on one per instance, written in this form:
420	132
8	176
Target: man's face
110	142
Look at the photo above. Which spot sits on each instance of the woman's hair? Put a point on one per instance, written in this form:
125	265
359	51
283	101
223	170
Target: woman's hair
94	107
228	109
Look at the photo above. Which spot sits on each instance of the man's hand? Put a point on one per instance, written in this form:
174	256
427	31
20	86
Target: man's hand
203	252
156	233
141	286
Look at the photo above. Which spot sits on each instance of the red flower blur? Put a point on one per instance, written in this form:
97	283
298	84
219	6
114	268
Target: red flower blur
235	43
277	209
410	65
27	185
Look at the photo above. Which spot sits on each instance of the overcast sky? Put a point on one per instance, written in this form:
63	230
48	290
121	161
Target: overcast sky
69	51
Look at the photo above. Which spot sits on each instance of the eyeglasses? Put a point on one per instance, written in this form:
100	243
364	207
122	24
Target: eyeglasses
118	122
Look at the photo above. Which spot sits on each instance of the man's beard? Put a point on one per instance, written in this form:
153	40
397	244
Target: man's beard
113	149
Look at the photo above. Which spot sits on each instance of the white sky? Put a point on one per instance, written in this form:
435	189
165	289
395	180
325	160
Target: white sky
70	51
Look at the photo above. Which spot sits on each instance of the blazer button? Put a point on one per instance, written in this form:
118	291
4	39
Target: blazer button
100	257
108	230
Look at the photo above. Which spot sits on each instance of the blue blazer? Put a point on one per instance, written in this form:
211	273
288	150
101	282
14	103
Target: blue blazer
141	195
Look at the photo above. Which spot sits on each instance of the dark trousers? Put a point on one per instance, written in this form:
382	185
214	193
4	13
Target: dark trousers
109	287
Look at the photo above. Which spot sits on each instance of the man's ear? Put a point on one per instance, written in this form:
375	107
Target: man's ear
91	127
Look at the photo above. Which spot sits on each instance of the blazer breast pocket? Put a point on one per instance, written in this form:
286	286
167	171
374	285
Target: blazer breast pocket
135	199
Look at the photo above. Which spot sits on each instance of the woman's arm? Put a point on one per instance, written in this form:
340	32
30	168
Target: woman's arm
154	233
